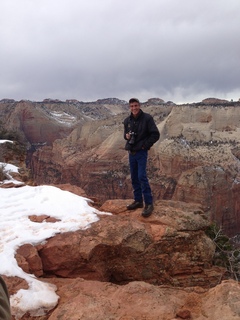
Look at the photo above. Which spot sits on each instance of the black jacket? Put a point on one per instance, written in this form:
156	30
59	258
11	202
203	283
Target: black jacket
145	129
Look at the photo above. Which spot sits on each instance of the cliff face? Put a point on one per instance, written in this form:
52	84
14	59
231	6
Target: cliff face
43	122
201	151
196	159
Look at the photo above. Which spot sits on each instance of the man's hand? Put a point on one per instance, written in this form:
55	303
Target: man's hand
128	136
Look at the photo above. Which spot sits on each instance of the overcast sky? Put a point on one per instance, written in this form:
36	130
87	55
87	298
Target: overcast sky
178	50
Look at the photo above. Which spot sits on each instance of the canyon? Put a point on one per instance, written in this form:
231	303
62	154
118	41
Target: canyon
127	267
196	159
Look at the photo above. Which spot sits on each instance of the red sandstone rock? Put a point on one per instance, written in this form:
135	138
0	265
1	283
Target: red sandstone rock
72	188
42	218
14	284
184	314
29	260
169	248
117	247
89	300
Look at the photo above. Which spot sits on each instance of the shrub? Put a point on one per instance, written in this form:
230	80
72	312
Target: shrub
226	255
3	175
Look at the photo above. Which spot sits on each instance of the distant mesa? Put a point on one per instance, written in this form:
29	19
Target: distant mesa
7	101
116	101
155	101
48	100
111	101
158	102
214	101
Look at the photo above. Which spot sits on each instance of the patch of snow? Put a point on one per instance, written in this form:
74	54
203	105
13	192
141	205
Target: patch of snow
17	229
4	141
63	117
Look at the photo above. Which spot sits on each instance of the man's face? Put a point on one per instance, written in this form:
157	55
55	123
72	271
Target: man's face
135	108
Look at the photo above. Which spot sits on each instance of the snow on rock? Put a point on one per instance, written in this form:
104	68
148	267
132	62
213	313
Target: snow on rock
16	229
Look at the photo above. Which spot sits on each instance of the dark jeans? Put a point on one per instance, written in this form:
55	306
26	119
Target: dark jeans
141	187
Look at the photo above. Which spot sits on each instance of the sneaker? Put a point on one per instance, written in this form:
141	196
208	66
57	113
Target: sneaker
135	205
147	210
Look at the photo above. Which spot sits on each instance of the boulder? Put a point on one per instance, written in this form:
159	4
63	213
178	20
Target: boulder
170	247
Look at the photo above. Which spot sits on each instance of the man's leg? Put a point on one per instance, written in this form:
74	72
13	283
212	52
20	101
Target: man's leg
137	190
142	177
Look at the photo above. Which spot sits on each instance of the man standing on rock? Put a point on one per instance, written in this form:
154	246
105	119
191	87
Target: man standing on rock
141	133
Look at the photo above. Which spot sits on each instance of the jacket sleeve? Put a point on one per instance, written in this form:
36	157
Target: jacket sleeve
153	134
5	313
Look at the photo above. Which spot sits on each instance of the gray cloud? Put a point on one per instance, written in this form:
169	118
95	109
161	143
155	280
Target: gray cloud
182	51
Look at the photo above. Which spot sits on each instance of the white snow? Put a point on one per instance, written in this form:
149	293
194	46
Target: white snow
16	229
4	141
8	169
63	117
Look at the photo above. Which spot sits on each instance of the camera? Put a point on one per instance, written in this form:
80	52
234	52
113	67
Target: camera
132	137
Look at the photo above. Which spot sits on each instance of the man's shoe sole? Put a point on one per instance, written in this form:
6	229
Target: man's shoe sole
146	215
134	207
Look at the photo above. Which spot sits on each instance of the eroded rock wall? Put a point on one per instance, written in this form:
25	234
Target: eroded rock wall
196	160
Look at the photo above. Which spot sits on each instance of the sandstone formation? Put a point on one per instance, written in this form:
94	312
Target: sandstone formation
122	248
128	267
200	151
90	300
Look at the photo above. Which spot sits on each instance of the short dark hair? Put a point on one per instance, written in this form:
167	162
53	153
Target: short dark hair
134	100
